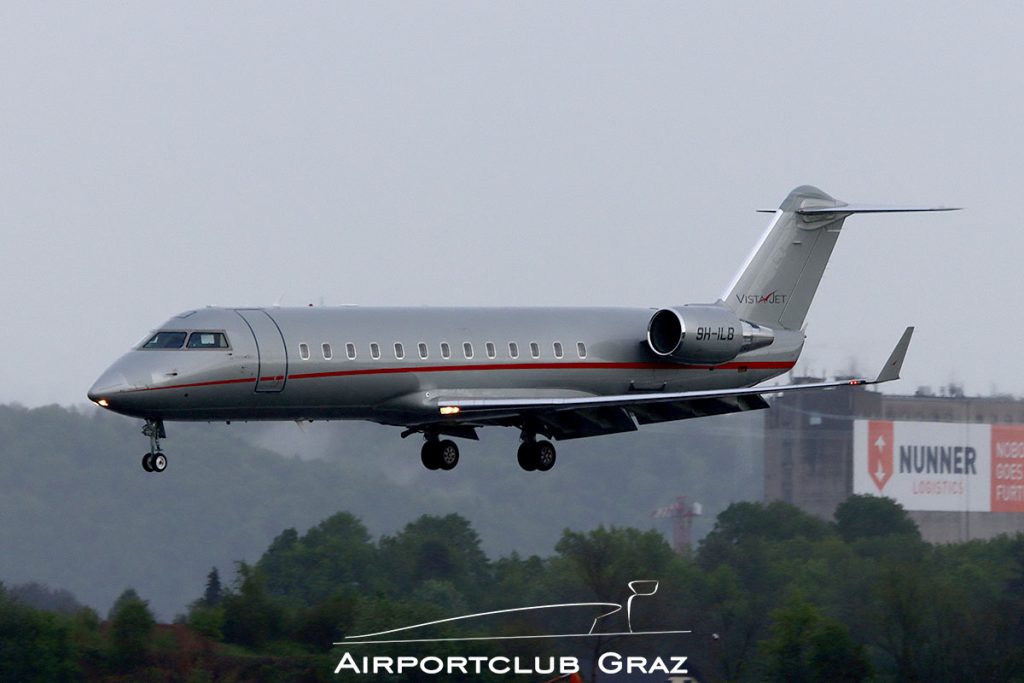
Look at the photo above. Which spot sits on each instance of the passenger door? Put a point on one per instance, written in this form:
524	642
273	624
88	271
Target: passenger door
273	366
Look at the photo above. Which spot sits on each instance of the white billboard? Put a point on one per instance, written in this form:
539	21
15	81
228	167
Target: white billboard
941	465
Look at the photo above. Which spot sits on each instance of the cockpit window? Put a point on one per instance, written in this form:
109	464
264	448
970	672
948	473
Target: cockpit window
207	340
165	340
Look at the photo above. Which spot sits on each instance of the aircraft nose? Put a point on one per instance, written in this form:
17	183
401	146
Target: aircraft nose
111	383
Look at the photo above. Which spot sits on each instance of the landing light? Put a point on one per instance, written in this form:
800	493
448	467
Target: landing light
450	410
102	403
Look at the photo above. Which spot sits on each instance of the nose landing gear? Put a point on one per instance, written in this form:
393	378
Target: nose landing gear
155	460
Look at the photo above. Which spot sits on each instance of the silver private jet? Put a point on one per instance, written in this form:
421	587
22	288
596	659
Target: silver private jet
552	373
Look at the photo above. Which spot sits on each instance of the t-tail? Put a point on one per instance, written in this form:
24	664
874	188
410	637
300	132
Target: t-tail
776	285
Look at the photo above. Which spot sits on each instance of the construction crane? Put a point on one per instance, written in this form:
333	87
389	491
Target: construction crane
682	515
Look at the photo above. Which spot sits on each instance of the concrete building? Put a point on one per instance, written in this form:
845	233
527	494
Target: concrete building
810	459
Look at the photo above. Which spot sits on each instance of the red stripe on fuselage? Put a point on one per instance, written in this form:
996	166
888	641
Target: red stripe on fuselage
543	366
198	384
763	365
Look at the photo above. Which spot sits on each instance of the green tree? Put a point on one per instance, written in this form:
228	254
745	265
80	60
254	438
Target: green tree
742	522
435	549
131	629
335	555
806	647
212	594
604	561
207	621
866	516
320	626
34	646
252	617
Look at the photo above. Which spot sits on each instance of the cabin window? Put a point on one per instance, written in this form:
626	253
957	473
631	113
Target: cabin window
375	351
304	351
350	351
326	349
446	351
165	340
491	351
581	349
557	346
207	340
513	350
399	351
467	350
535	349
423	350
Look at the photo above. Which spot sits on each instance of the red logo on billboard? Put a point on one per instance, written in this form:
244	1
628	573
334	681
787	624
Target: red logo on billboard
880	461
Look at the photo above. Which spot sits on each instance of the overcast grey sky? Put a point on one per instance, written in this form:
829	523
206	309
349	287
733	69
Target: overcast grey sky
156	157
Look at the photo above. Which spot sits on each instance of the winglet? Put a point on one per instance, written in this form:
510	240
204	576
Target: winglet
892	367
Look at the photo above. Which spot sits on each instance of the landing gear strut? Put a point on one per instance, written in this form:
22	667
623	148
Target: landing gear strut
536	455
439	455
155	460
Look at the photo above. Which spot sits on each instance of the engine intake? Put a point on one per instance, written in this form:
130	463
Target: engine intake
704	334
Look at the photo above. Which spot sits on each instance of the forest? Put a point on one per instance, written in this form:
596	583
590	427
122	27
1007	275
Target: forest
79	513
770	594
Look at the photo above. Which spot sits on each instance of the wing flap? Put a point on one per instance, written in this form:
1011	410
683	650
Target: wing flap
705	407
575	424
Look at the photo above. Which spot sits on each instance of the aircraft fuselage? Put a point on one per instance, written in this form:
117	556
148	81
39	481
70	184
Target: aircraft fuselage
298	364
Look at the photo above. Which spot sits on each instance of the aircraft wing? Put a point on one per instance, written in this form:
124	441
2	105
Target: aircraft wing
574	417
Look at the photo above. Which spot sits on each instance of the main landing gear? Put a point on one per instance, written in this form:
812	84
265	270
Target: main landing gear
155	460
439	455
536	455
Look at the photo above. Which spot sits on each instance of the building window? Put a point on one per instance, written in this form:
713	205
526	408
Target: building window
467	350
491	352
375	351
350	351
326	349
399	351
557	346
513	350
304	351
423	350
581	349
535	349
446	351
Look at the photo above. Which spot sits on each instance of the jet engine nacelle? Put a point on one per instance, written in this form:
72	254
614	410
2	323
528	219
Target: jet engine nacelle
704	334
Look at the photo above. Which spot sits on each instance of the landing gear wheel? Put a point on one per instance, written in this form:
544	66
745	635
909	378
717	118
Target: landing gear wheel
158	462
154	461
430	455
447	454
544	455
527	456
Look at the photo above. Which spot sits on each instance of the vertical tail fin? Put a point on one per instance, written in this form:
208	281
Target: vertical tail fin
776	285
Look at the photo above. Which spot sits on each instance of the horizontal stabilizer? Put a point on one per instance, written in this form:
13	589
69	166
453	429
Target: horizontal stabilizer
849	209
776	285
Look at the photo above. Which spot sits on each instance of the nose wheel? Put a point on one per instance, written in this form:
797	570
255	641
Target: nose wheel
155	460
